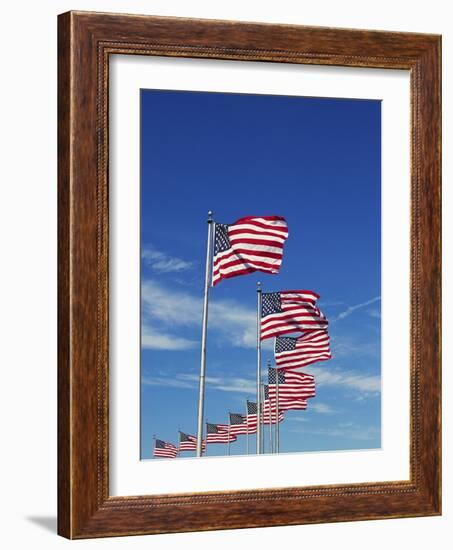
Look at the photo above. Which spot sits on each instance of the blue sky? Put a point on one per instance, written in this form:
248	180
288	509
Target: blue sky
315	161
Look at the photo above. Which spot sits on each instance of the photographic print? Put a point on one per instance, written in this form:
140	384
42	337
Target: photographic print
290	187
249	273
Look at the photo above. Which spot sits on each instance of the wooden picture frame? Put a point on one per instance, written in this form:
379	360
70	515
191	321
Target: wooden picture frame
85	42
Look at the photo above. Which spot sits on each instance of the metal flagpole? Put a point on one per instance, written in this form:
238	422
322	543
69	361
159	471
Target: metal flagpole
154	445
270	412
277	412
262	418
258	370
247	426
229	424
203	336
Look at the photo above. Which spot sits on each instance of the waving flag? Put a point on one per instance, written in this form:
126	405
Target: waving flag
218	433
251	417
292	405
238	424
291	385
163	449
270	408
269	412
292	353
250	244
188	442
287	404
290	311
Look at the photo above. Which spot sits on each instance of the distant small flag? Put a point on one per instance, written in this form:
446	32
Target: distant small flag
293	387
163	449
188	442
292	353
218	433
238	424
288	404
270	409
290	311
251	244
251	417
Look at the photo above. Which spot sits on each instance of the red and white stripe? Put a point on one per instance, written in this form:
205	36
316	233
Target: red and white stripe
251	424
265	417
297	386
168	451
239	429
292	404
187	446
309	348
191	445
270	413
222	436
256	245
298	314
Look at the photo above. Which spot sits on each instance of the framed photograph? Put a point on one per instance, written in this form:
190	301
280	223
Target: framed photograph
249	275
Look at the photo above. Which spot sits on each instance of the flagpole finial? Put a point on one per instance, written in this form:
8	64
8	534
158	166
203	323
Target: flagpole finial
258	286
210	214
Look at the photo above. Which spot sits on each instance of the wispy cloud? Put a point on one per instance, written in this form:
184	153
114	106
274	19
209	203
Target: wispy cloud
298	418
160	262
321	408
236	385
367	383
190	381
167	381
330	303
348	311
154	339
352	431
376	313
347	346
172	309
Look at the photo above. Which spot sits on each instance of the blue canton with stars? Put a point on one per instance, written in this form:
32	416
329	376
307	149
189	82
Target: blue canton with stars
236	418
272	377
211	428
251	407
271	303
285	344
222	241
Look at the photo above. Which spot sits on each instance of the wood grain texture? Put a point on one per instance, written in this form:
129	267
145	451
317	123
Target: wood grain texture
85	42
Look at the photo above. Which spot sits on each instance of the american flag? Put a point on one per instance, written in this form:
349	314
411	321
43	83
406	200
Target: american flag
268	411
218	433
290	311
291	385
251	416
189	442
250	244
292	353
163	449
292	405
238	424
270	408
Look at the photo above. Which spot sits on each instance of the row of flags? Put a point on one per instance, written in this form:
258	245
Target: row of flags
255	243
285	391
